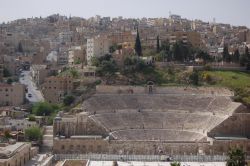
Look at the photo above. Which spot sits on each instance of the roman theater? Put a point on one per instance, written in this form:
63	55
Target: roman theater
154	120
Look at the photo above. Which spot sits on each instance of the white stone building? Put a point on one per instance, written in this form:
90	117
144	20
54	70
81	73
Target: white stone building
97	47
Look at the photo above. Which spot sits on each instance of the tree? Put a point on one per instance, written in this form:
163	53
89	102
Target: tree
74	73
158	44
9	81
194	77
226	55
106	65
138	48
20	47
204	55
6	73
236	157
33	134
113	48
236	57
247	58
7	134
95	61
32	118
68	100
43	109
177	52
243	59
175	164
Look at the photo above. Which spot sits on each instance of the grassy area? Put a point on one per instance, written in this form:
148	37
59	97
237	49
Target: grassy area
237	81
230	79
161	77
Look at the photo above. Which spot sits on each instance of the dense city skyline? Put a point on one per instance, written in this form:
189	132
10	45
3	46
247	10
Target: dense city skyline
224	11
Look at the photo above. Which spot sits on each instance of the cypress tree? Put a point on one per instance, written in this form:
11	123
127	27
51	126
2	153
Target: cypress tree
226	56
158	44
20	47
247	58
138	48
236	57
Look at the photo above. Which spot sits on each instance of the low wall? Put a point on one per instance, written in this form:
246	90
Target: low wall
120	89
85	146
103	89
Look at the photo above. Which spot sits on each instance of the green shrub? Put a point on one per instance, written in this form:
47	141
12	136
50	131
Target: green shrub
44	109
68	100
33	134
32	118
194	77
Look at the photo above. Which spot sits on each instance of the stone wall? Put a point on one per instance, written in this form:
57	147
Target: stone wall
79	146
78	126
120	89
82	146
234	126
165	90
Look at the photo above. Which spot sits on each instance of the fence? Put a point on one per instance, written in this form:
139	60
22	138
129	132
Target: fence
108	157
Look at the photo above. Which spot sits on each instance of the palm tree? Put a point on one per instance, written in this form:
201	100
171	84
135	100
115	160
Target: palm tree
236	157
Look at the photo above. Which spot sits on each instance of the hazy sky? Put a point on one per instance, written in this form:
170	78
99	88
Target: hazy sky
236	12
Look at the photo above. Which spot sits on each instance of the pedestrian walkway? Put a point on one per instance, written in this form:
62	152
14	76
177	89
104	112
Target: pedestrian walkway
47	140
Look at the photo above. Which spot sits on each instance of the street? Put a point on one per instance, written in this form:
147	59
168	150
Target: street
36	95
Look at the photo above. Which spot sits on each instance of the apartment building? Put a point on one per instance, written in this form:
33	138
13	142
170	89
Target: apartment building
151	42
192	37
12	95
121	37
63	56
39	73
21	124
248	37
11	64
65	37
1	68
97	47
55	88
77	54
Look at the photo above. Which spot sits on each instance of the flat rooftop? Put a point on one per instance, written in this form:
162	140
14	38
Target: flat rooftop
9	150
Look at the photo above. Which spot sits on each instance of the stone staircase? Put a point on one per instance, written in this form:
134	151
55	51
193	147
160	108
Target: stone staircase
47	140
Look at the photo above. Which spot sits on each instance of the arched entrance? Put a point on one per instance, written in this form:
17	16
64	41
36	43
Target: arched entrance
150	87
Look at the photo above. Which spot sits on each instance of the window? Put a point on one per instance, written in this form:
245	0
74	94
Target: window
62	147
99	148
90	148
83	148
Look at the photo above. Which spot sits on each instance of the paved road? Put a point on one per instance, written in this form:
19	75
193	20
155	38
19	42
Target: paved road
26	79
